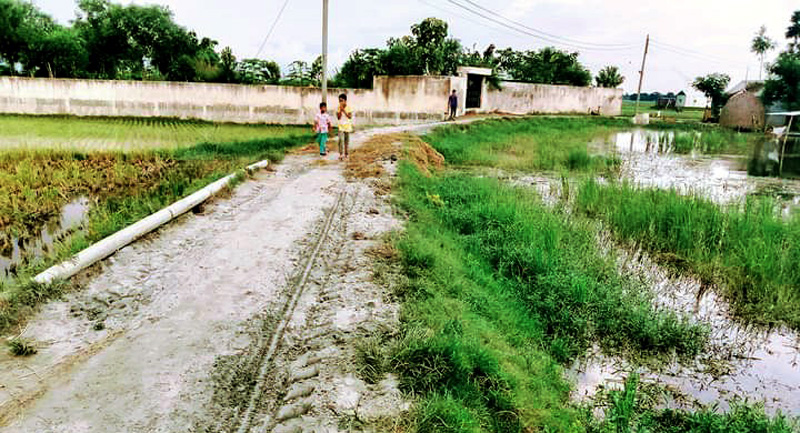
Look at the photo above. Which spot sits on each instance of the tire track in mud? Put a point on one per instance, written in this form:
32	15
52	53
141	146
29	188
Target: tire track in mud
295	293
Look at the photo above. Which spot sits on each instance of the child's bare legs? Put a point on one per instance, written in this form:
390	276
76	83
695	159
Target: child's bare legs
344	144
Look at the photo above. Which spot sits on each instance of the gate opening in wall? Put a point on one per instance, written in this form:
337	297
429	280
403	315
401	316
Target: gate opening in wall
474	91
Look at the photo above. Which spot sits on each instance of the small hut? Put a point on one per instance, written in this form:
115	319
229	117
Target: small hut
744	111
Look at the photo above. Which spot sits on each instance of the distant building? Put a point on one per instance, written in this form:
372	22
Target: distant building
680	99
671	101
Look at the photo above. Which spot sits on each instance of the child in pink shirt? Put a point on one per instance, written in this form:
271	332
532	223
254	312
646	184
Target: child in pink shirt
322	125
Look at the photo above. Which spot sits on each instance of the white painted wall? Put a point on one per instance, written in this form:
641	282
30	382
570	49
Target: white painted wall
393	100
524	98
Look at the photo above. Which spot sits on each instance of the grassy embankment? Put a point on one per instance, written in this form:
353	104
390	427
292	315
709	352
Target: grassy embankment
543	144
501	291
751	251
131	168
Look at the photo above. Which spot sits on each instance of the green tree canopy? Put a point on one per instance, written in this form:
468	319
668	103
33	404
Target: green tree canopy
547	66
609	77
783	84
257	71
427	51
713	86
793	32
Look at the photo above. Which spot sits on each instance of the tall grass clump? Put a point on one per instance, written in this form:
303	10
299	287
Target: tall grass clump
750	250
533	143
684	142
502	292
633	409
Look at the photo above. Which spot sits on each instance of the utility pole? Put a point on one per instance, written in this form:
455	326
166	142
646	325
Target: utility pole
641	73
325	51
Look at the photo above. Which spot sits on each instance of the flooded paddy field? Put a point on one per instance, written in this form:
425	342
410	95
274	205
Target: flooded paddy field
748	167
15	251
742	362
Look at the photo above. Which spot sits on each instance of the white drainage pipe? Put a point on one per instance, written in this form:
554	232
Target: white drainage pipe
126	236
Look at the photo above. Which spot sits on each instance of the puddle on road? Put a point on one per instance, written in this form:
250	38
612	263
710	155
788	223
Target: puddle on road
648	160
15	251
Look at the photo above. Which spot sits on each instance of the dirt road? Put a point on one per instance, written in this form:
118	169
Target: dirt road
241	317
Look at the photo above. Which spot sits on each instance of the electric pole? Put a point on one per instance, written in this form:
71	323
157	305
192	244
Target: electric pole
641	74
325	51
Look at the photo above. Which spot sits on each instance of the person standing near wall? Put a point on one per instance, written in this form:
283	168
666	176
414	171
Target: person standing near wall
452	104
345	116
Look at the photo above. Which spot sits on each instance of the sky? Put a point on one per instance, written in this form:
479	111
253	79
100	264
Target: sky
689	37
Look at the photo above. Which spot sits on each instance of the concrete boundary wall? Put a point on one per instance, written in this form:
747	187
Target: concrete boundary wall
392	101
525	98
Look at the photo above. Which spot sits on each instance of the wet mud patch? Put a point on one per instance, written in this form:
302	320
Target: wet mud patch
741	362
16	251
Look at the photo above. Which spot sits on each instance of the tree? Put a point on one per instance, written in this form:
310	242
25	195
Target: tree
257	71
761	45
427	50
429	40
793	32
21	26
228	66
547	66
609	77
713	86
784	84
60	53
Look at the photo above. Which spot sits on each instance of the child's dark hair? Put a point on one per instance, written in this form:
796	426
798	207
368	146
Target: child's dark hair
323	104
343	96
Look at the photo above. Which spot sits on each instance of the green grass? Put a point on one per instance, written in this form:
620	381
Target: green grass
125	187
689	114
532	143
751	251
631	410
67	133
503	290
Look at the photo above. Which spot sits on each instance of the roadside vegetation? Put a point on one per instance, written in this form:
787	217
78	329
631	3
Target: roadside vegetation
751	251
501	292
123	185
527	144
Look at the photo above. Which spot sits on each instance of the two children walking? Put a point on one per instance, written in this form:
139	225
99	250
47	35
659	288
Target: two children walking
323	126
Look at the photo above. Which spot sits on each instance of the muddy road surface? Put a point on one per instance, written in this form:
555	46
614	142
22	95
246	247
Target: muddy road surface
240	317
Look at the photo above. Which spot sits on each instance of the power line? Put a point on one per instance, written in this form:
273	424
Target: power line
524	31
693	53
464	17
697	55
550	35
272	29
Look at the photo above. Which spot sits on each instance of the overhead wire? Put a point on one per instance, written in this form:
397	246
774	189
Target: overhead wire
551	35
272	28
519	29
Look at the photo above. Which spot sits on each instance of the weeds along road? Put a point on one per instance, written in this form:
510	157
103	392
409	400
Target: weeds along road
240	318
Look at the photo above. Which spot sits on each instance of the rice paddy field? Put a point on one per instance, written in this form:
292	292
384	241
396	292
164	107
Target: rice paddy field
67	182
36	133
565	274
